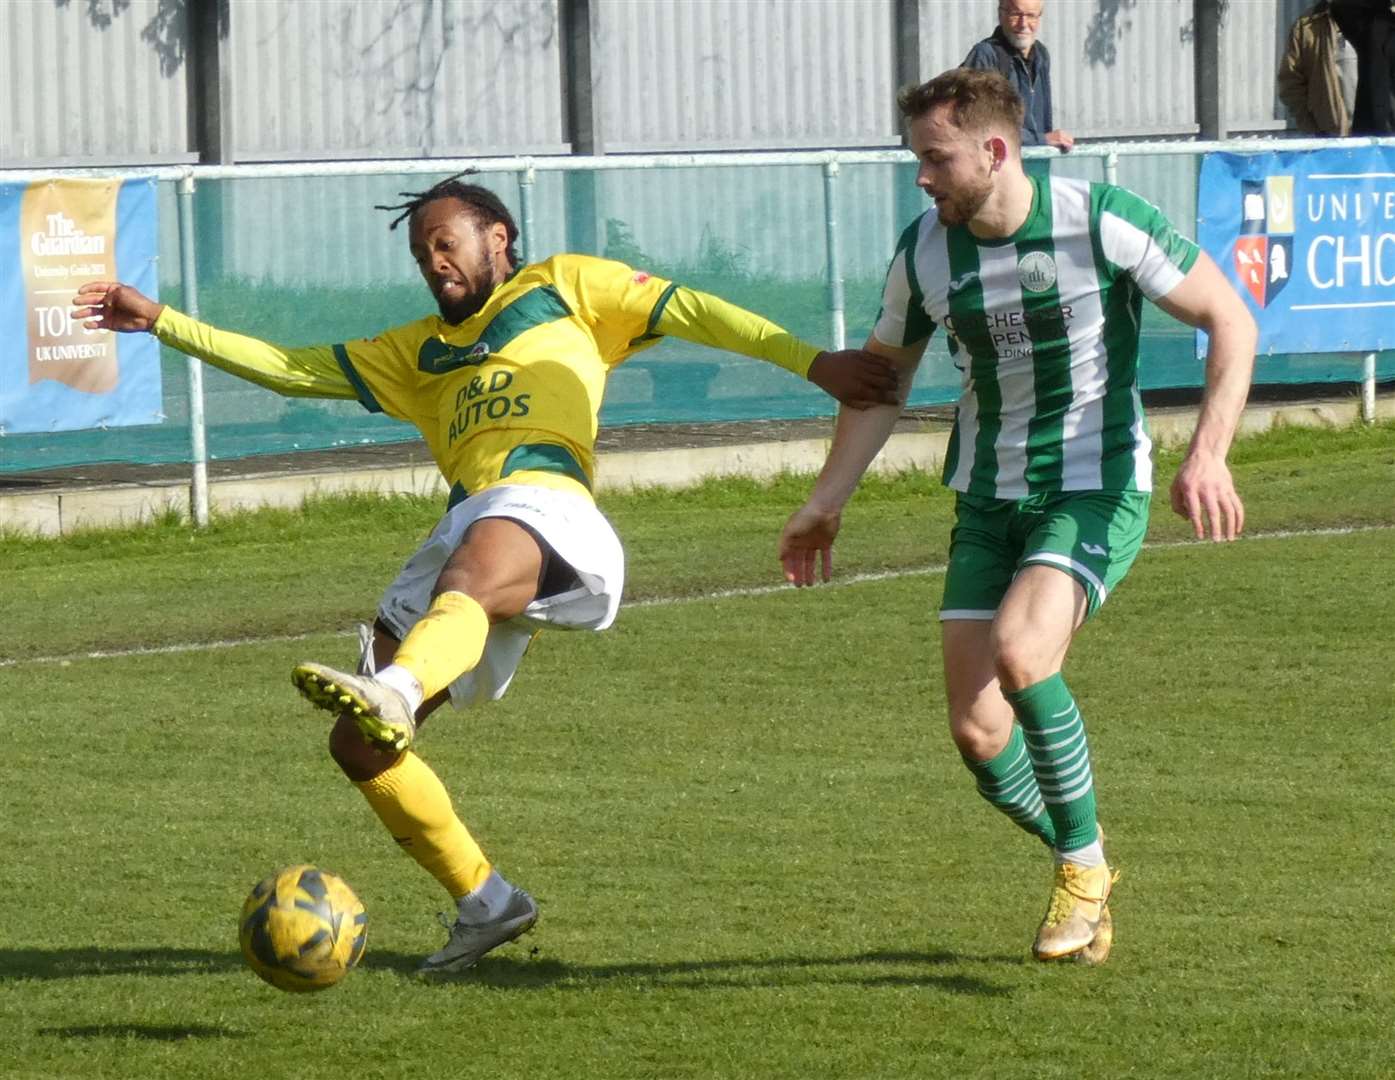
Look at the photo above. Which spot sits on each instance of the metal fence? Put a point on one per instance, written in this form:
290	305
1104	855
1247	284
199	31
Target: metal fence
293	254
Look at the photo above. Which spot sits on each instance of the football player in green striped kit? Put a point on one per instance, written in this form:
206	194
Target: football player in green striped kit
1038	283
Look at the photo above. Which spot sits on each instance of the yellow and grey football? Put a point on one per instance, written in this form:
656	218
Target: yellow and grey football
302	929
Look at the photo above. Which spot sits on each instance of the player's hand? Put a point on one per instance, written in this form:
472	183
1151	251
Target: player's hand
1061	140
857	378
1205	495
808	538
109	305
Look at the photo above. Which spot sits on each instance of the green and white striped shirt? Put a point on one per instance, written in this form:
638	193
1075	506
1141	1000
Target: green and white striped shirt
1044	326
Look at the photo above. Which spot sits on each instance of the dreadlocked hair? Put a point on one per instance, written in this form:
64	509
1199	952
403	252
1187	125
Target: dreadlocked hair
484	206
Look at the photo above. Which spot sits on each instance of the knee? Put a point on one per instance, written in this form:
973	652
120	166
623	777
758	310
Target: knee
980	738
980	719
1019	661
355	758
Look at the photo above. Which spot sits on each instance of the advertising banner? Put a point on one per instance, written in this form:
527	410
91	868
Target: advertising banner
55	374
1308	238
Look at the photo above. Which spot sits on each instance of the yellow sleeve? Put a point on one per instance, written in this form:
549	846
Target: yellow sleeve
630	309
708	320
313	371
616	301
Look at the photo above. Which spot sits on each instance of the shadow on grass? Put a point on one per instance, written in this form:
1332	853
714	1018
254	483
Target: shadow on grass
863	969
148	1032
85	963
531	971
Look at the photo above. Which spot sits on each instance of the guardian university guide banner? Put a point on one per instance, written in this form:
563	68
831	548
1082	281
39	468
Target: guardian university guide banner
1308	238
55	374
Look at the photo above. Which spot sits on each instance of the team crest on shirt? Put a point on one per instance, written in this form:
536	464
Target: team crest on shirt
1036	270
1264	248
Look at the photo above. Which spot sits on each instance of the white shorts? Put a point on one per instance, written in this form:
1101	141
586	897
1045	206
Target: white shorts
578	534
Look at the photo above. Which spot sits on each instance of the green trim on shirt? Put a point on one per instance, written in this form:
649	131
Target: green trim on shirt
531	457
365	395
545	457
535	307
654	315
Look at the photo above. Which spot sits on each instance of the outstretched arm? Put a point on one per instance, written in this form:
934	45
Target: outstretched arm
855	378
808	536
1203	491
303	372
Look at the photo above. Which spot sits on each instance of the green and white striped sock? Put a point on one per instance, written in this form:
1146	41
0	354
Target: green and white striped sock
1055	741
1009	783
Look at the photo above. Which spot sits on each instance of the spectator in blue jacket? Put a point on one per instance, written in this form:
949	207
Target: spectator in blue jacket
1014	50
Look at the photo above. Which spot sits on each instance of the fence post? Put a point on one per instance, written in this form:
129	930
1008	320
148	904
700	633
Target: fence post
834	254
1111	167
188	276
1368	388
526	179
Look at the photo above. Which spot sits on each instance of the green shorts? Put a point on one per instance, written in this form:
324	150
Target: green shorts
1093	536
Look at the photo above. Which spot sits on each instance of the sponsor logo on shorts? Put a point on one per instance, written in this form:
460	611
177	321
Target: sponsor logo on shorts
1094	549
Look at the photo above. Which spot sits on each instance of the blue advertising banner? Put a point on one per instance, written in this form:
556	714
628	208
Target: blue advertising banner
1308	238
55	374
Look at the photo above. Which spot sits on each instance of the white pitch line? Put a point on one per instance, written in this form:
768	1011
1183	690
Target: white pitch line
659	601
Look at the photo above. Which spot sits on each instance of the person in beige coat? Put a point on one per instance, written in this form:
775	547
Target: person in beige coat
1318	74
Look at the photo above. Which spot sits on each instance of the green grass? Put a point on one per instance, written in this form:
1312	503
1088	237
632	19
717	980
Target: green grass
756	853
720	535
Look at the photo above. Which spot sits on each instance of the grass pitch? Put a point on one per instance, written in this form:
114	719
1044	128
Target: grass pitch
755	850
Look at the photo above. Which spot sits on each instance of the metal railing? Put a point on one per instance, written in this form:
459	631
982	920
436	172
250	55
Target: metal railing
186	177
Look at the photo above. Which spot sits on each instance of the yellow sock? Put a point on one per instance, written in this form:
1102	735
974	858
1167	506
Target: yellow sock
412	802
446	643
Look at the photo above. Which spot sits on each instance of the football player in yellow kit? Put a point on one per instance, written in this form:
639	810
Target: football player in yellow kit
505	386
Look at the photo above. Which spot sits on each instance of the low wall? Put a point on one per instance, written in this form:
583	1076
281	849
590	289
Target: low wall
52	513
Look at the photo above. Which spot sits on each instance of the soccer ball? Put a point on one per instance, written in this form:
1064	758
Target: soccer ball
302	929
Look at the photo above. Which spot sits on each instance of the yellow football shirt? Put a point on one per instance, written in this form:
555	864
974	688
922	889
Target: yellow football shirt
514	391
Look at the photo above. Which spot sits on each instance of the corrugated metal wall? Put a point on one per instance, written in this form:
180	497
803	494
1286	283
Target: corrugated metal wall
379	78
1109	60
684	73
99	82
688	74
383	78
1122	68
679	73
1255	34
88	84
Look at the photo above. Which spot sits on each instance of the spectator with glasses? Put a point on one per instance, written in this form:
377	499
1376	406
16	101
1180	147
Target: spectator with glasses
1014	50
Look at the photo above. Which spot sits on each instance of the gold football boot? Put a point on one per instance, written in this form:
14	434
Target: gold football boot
1097	952
1076	912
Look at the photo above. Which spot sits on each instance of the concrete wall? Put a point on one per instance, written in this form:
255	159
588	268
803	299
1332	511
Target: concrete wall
70	508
